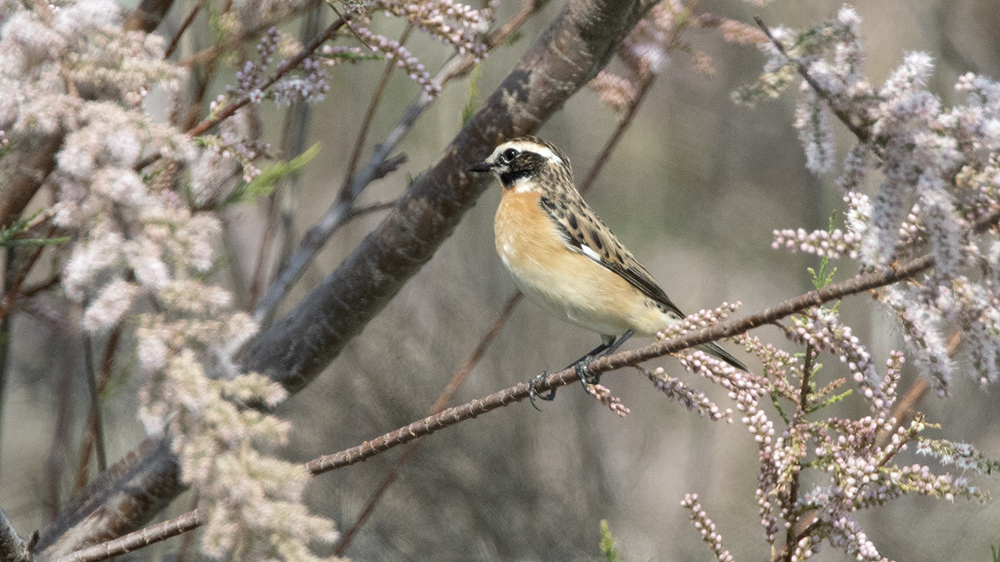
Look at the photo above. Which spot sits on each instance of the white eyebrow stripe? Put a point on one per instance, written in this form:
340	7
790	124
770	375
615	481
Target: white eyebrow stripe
543	151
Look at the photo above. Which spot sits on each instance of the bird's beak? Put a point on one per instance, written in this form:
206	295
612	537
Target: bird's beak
480	167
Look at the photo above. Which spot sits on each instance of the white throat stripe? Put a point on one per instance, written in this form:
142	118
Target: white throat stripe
523	185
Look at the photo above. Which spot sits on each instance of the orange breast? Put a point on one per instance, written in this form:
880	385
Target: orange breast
565	282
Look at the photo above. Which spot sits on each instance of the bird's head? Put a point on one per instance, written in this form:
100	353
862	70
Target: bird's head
523	163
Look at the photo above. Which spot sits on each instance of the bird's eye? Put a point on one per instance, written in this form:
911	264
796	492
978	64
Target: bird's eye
509	155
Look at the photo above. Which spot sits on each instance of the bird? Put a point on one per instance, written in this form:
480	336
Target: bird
564	258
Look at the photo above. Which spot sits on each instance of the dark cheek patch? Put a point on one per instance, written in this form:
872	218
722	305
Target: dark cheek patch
510	176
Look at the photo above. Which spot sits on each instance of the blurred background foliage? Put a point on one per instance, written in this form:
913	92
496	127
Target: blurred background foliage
695	189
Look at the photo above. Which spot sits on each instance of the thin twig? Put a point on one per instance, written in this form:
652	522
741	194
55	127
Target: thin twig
800	410
623	125
94	388
217	49
180	31
793	489
15	287
5	340
861	132
645	83
907	405
139	539
366	122
93	420
453	385
283	69
281	203
369	209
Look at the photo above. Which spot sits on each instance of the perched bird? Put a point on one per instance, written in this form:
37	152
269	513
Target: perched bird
565	259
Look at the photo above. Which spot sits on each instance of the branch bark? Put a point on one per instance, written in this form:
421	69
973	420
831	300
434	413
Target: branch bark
147	15
23	172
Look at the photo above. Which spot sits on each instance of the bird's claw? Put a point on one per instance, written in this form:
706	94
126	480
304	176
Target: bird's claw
586	378
533	392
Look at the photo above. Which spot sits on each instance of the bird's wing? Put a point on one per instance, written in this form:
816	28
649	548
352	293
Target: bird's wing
586	233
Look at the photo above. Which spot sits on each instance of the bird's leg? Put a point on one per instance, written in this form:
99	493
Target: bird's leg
607	347
532	393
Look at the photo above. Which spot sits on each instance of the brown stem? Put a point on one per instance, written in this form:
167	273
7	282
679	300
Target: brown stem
612	143
453	385
180	31
15	287
227	111
860	131
366	122
139	539
793	488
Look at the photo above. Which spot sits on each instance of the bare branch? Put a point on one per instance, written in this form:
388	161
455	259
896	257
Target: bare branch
180	31
860	130
139	539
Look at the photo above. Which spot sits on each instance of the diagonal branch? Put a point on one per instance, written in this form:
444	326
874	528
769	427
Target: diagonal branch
849	121
292	63
12	547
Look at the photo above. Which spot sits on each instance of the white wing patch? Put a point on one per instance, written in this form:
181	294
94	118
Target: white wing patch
590	253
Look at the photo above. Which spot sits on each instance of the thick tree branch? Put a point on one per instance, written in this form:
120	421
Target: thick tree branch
24	170
120	500
12	547
147	15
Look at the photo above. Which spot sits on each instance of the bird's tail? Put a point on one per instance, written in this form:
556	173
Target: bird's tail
714	350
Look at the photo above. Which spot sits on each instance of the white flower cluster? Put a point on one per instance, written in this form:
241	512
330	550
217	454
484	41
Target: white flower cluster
139	257
938	176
